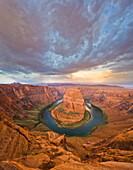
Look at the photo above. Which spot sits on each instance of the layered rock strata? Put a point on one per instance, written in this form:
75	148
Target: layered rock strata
72	109
21	149
73	101
18	99
14	140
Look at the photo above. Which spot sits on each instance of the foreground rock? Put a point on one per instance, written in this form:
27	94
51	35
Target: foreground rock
74	165
22	150
116	148
36	161
14	140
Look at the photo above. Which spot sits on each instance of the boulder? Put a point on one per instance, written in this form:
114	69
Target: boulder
36	161
60	140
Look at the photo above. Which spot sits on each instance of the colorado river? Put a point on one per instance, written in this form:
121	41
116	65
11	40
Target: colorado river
97	118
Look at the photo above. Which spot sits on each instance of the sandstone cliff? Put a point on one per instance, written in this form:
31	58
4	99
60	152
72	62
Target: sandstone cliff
73	101
72	109
14	140
117	103
60	114
17	99
21	149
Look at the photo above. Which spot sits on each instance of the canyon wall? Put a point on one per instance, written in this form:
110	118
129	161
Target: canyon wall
20	150
16	99
109	97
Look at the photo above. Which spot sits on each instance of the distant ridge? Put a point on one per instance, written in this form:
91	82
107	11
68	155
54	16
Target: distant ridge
16	83
77	84
67	84
103	85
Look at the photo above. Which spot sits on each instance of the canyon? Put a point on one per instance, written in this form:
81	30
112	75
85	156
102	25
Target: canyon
24	147
18	98
23	103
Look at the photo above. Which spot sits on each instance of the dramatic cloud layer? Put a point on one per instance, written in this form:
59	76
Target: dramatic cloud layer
60	37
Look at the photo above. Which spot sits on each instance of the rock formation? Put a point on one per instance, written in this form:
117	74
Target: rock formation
22	150
14	140
23	103
116	102
72	109
115	148
73	101
17	99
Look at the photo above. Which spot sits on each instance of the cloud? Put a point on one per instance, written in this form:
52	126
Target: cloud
61	37
91	76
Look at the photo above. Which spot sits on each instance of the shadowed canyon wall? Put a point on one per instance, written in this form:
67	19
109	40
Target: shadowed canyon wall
17	99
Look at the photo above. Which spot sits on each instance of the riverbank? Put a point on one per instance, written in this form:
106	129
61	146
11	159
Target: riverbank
87	116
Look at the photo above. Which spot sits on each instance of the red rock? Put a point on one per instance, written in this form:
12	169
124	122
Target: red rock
17	99
36	161
14	140
72	109
73	101
60	140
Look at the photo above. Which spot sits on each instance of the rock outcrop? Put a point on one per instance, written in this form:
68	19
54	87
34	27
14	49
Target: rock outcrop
116	102
20	149
73	101
116	148
74	165
14	140
72	109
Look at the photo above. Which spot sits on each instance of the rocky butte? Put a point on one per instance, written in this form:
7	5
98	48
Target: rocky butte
72	108
73	101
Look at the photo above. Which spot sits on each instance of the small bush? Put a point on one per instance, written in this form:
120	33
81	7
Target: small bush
61	109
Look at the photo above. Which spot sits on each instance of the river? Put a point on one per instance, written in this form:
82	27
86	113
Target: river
97	118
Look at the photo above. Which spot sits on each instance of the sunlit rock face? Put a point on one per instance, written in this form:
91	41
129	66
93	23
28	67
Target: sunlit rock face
73	101
72	109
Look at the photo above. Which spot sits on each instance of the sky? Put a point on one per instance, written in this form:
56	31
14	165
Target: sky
66	41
